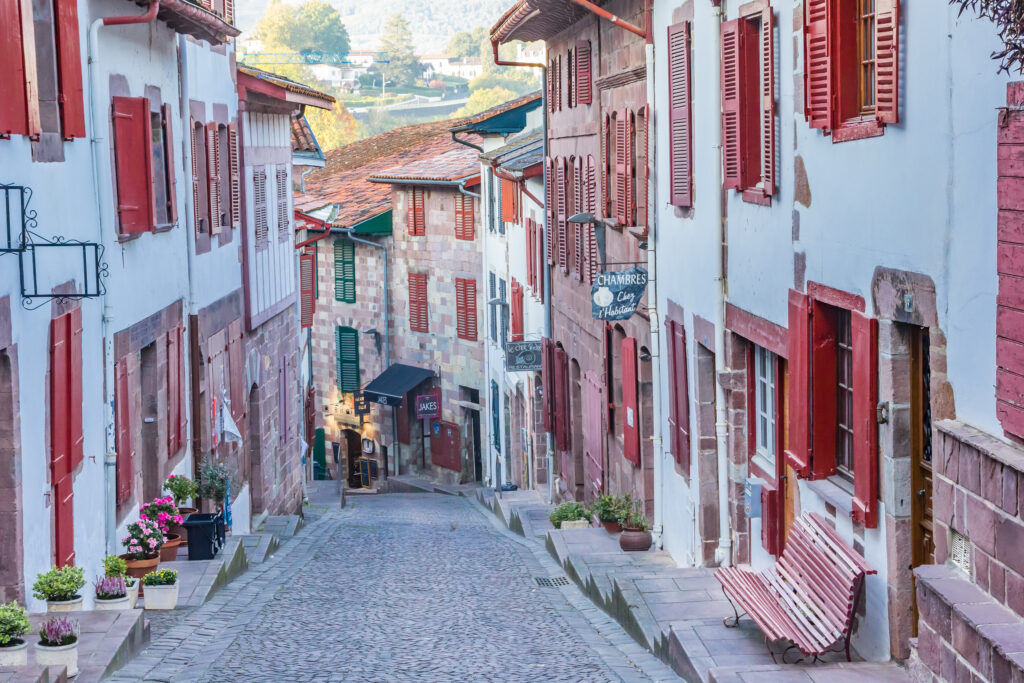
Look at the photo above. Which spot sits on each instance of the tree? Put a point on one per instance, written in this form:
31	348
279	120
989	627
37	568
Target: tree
278	24
519	81
396	42
320	29
333	128
482	100
467	43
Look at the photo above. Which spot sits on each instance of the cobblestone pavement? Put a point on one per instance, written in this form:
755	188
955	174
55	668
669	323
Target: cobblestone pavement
399	587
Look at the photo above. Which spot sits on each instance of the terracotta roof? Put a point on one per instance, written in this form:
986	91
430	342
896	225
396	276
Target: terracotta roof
282	82
513	147
451	166
190	18
494	111
303	140
530	20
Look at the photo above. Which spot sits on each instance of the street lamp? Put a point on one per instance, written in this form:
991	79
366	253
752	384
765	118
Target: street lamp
600	225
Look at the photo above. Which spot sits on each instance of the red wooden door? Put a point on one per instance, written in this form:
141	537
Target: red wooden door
593	435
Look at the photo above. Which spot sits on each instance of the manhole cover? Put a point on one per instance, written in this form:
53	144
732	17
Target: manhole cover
545	582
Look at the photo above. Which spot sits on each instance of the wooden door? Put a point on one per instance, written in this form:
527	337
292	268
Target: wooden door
923	540
786	474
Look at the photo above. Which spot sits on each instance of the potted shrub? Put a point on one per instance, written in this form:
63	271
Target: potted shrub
111	593
115	567
165	513
609	512
635	535
182	489
213	486
60	588
13	625
143	545
58	644
570	516
161	589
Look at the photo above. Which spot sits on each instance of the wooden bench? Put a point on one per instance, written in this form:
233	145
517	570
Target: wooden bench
808	597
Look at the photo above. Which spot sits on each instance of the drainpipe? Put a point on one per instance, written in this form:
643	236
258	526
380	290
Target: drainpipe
95	116
605	14
463	190
302	179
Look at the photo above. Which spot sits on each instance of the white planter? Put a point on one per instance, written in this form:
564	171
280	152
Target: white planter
133	594
576	524
116	603
162	597
63	655
64	605
14	655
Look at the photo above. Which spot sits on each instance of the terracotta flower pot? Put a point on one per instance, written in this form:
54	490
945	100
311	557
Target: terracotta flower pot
61	655
64	605
14	653
635	539
169	550
176	528
611	526
139	568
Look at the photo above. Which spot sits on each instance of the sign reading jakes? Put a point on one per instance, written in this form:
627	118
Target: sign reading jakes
616	294
428	406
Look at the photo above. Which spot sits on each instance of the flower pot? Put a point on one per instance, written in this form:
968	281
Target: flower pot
162	597
133	593
611	526
635	539
113	604
169	550
139	568
61	655
64	605
576	524
14	653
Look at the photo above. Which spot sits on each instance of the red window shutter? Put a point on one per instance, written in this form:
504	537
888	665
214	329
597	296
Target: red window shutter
591	186
887	60
864	335
236	176
182	424
551	85
558	83
464	219
173	405
197	211
229	11
75	382
550	205
767	107
465	308
824	410
621	133
606	166
579	192
236	368
563	197
134	164
629	153
770	518
172	185
418	317
60	392
19	87
213	177
798	454
673	388
584	73
125	447
529	252
679	393
307	288
508	201
818	104
680	155
630	404
609	374
547	370
540	271
561	400
517	311
732	157
417	215
69	69
64	522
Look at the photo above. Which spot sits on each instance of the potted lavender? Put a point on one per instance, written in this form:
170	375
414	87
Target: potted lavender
13	625
111	593
58	644
114	566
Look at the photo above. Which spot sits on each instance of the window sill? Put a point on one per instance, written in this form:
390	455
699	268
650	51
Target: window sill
755	196
857	129
761	467
166	227
832	493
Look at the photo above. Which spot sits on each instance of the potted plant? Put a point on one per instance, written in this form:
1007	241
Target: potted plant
213	485
609	512
143	545
165	513
570	516
115	567
182	489
59	587
161	589
111	593
13	625
635	535
58	644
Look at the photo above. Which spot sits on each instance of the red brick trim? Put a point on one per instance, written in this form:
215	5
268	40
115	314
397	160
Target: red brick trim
756	329
704	332
6	336
147	330
835	297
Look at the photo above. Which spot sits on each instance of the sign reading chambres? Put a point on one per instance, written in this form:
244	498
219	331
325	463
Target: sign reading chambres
616	294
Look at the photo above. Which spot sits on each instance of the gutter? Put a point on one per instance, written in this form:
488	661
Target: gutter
455	138
605	14
424	181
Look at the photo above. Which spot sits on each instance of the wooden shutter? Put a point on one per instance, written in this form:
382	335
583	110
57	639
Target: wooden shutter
284	223
592	258
516	306
679	396
503	312
236	373
64	522
182	424
767	107
213	177
621	133
562	439
673	388
347	347
562	192
558	83
798	454
551	204
69	69
236	177
125	445
417	218
345	271
606	166
197	212
818	104
418	318
508	201
307	288
584	73
630	403
864	335
547	373
464	218
609	375
528	224
551	78
771	518
680	154
20	86
731	112
495	417
167	118
134	165
465	308
824	373
173	391
229	11
65	383
261	220
578	191
76	437
887	60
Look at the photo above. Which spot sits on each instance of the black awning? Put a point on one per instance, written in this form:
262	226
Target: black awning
391	385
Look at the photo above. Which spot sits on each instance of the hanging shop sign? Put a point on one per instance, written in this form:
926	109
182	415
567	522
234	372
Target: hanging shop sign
616	294
523	356
428	406
362	404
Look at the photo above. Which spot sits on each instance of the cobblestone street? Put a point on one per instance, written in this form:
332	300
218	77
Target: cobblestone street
413	587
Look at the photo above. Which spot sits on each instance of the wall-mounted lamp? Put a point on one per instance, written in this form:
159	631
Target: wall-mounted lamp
600	225
376	337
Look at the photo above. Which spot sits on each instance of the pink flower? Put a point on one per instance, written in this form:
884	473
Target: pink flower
143	518
152	542
178	519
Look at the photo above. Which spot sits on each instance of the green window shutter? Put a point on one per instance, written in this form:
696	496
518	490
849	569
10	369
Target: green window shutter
347	345
345	271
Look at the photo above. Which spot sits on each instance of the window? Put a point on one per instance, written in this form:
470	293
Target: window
764	407
618	174
418	317
307	288
680	119
464	218
143	165
465	308
347	349
748	105
851	73
492	291
844	396
213	160
509	201
516	311
261	220
417	214
345	271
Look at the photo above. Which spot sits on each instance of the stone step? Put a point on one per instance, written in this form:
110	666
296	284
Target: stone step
876	672
282	526
33	674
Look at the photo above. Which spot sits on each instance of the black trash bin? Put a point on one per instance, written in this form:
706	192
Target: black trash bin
222	530
202	535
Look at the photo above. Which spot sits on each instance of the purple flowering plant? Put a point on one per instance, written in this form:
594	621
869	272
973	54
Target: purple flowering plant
144	539
162	510
110	588
57	631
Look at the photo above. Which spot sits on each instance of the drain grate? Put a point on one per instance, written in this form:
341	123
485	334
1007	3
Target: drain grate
545	582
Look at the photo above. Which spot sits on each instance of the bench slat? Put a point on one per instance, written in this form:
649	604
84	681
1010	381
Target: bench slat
804	616
821	580
759	601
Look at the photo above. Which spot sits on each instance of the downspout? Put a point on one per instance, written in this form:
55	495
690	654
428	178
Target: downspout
465	142
110	456
302	178
723	554
621	23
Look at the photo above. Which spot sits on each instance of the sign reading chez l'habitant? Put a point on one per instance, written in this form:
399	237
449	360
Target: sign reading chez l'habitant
616	294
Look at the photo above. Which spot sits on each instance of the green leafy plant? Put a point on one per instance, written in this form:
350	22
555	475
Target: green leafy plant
181	488
59	585
13	624
213	480
568	512
161	577
114	566
634	518
609	508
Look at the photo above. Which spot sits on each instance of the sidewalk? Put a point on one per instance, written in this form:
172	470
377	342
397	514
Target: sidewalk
674	612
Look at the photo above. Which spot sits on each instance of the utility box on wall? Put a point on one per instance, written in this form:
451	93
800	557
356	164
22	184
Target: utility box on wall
752	497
